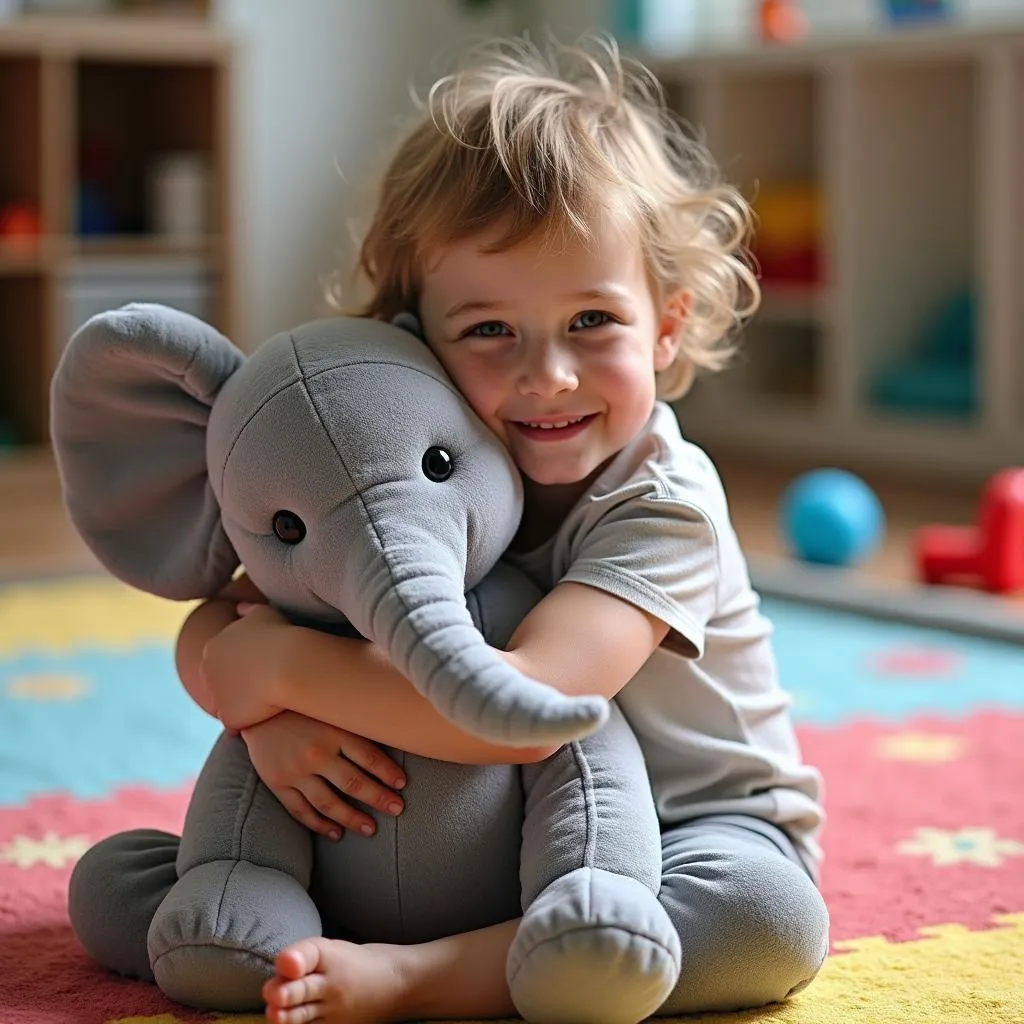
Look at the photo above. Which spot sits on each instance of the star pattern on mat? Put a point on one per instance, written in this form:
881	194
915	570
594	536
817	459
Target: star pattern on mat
52	850
922	747
975	845
45	686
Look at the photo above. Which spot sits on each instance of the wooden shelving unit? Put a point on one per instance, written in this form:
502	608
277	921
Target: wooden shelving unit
914	144
142	85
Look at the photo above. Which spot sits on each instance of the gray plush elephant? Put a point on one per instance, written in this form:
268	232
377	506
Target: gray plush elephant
342	468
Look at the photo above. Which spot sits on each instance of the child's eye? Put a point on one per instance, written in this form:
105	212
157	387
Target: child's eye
591	318
488	329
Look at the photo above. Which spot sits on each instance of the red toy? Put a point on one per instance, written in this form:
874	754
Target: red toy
781	21
19	225
991	552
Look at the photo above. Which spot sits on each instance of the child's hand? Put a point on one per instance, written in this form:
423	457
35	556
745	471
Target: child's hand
242	665
300	760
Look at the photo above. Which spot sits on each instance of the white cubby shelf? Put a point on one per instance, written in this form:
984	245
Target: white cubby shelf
912	144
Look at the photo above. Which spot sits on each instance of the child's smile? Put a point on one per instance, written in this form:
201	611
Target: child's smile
555	429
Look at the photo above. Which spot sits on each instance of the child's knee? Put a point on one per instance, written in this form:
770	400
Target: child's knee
757	938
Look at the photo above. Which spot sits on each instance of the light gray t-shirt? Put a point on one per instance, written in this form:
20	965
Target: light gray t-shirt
707	706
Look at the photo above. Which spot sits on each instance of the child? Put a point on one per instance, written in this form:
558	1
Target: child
572	260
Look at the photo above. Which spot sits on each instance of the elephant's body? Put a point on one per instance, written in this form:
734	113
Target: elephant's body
450	861
343	469
448	864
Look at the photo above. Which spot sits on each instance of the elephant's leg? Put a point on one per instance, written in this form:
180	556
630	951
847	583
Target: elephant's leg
114	892
244	868
594	944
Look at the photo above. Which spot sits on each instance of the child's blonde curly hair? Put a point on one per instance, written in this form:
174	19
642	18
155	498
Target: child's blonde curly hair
547	142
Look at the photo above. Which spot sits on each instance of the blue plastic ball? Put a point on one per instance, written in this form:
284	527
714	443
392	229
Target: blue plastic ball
831	517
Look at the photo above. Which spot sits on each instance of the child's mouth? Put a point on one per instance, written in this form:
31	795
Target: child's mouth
554	430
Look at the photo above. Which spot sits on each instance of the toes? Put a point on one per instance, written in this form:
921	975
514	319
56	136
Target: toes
309	989
298	960
272	991
304	1014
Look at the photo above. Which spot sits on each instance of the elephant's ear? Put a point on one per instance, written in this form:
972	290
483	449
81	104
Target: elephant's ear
130	402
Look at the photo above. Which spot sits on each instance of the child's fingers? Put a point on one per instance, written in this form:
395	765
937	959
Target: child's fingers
346	776
369	756
326	802
303	812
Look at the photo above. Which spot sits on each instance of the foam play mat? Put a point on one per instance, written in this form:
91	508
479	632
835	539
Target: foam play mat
919	733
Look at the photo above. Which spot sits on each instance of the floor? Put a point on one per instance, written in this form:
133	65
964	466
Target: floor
35	536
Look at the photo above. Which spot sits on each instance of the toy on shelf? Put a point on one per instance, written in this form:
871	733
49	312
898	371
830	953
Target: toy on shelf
938	375
990	553
781	21
98	185
20	225
917	10
788	234
831	517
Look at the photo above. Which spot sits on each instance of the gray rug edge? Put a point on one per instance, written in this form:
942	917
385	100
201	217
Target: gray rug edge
953	609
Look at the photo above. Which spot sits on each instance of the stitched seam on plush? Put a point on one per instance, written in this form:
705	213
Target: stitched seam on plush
373	527
215	944
590	815
236	843
241	430
614	929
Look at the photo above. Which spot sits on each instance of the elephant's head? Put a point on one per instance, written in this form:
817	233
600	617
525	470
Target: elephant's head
338	464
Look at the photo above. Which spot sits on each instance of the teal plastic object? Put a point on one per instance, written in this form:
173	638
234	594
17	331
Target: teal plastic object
938	375
627	20
924	388
831	517
8	438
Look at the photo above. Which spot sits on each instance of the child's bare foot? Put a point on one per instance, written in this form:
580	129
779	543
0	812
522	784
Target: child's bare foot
334	981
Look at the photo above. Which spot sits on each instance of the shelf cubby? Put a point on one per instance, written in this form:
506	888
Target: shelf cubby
915	236
20	151
24	366
128	116
766	130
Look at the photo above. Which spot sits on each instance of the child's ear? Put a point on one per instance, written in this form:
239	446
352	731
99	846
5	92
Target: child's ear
670	329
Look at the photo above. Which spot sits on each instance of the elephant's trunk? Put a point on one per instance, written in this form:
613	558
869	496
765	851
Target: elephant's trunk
423	623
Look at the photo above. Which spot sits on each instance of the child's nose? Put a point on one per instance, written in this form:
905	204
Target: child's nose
547	369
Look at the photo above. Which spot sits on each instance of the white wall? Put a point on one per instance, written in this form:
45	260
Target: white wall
321	83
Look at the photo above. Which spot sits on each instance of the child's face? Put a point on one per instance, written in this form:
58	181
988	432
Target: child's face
536	337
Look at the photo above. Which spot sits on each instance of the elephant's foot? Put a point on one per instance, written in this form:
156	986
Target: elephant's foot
593	947
214	939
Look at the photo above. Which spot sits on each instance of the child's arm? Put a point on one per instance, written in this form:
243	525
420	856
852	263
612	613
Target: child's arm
578	639
204	622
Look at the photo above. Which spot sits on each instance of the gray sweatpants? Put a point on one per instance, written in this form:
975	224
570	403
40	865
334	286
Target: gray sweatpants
752	925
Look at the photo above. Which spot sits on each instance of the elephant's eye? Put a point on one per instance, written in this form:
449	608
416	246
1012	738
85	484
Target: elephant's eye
289	527
437	464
